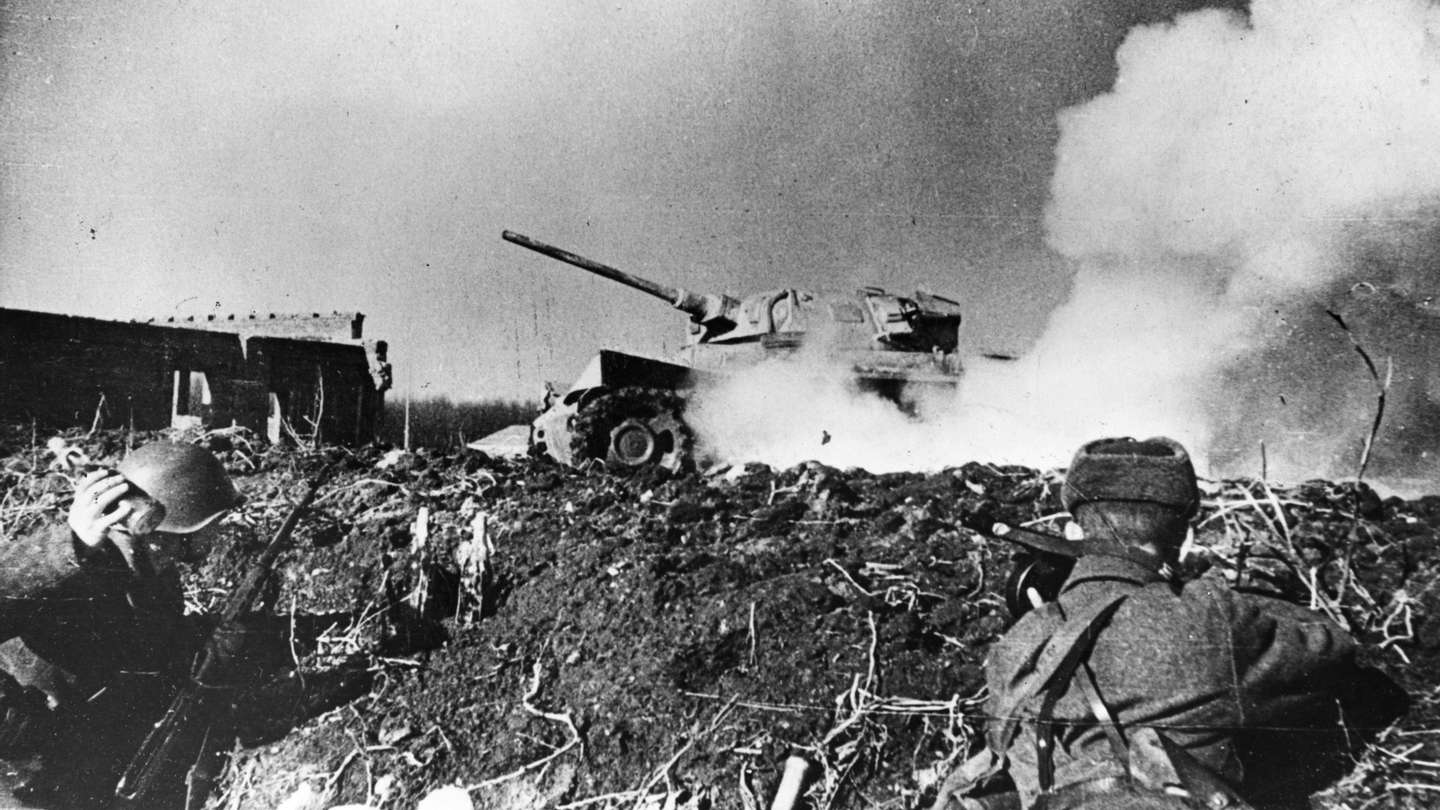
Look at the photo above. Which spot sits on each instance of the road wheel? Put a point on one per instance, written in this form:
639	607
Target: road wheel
633	429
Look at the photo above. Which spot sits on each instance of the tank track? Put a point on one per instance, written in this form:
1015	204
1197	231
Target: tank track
660	411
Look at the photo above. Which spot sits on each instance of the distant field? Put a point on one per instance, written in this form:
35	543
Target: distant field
441	423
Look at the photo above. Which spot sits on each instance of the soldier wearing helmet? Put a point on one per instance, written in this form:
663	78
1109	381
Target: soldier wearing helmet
92	619
1133	690
188	485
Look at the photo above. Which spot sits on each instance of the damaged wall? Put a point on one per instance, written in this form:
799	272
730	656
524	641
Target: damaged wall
336	326
63	370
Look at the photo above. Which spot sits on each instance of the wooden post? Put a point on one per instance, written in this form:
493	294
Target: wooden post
407	421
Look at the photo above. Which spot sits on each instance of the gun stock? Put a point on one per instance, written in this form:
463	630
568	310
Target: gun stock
182	736
1041	569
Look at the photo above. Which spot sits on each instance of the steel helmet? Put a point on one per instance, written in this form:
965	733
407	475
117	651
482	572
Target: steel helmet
187	480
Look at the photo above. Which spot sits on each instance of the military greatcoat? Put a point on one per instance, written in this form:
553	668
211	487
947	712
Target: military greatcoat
85	611
1267	694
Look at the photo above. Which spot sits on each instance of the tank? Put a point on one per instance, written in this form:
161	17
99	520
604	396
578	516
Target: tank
628	410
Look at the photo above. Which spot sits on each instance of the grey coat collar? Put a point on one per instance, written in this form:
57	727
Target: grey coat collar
1138	569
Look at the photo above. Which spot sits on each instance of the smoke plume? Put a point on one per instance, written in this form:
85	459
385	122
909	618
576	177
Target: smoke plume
1241	179
1249	183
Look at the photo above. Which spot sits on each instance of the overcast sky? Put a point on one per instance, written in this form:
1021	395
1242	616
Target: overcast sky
188	158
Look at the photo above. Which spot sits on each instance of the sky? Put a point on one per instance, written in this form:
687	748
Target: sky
193	158
1154	204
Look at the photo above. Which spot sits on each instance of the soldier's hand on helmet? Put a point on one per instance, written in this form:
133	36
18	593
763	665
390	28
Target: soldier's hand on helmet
94	512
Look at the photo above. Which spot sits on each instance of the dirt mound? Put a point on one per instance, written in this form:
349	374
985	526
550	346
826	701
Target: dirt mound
547	637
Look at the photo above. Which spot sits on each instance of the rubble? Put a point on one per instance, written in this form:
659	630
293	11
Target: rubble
546	637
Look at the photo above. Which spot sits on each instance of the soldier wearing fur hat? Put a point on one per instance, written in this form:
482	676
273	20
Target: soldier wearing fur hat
92	618
1133	690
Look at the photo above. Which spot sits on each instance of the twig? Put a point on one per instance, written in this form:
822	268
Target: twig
1414	787
776	489
874	642
862	702
99	409
1225	509
1279	510
1382	389
240	783
624	795
663	772
752	659
294	655
359	482
558	717
848	578
334	778
1278	527
783	708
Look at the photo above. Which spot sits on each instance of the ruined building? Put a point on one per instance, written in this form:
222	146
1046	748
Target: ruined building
286	376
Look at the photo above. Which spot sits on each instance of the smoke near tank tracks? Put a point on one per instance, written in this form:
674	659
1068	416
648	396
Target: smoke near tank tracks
1245	176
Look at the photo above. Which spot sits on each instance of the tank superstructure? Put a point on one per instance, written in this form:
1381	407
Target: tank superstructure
628	410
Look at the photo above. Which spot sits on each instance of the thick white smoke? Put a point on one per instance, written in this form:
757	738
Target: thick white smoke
1243	175
1245	169
806	406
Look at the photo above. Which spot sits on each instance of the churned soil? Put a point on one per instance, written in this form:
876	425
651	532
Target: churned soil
545	637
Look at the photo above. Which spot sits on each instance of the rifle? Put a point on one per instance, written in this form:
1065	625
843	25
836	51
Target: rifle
1043	566
183	737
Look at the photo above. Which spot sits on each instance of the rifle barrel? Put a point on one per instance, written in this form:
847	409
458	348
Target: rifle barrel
244	594
169	737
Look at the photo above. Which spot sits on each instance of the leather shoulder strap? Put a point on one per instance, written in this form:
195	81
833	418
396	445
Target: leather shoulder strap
1056	663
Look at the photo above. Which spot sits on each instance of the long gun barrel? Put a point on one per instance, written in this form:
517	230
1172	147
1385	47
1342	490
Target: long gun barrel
702	308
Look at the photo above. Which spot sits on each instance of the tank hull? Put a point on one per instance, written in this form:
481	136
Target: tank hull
648	428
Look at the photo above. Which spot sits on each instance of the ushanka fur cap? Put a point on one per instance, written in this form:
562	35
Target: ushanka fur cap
1156	470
